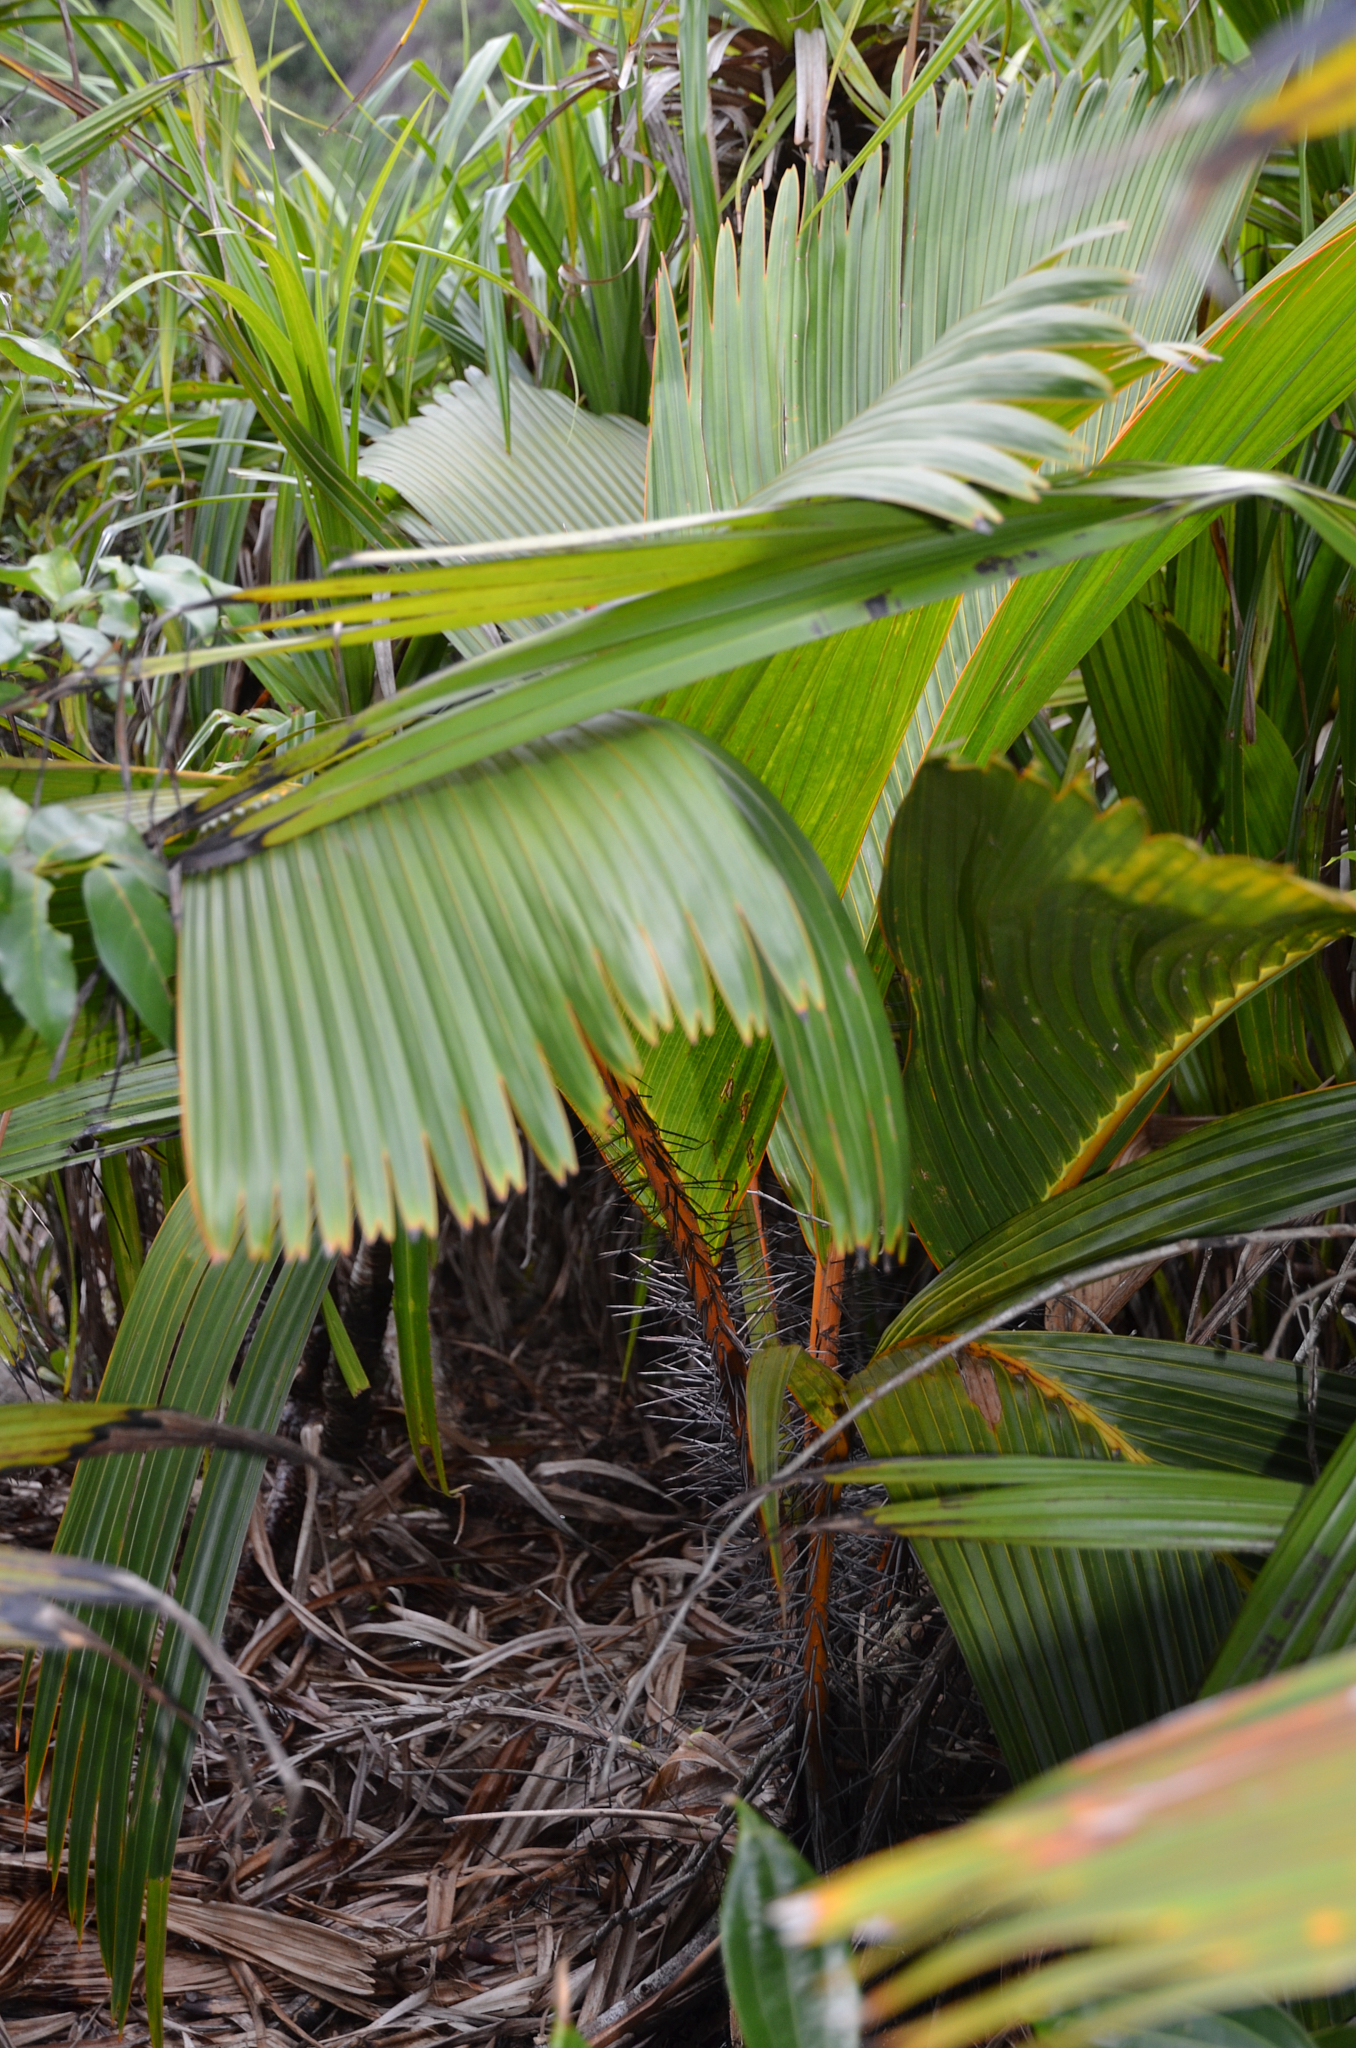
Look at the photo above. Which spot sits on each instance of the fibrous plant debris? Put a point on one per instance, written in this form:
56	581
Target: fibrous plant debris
447	1672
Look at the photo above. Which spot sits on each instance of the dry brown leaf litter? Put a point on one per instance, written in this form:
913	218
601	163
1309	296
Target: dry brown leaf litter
446	1676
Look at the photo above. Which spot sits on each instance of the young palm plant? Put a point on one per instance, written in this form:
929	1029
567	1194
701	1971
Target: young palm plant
906	454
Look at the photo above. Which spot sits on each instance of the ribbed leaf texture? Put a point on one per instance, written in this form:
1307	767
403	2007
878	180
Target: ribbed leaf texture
127	1106
1191	1866
1058	959
1184	1404
1080	1504
967	240
177	1345
1067	1646
1286	356
565	471
1243	1172
373	1010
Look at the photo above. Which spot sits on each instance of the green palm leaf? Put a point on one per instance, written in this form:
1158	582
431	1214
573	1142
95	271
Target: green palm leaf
1067	1646
1077	1504
1071	1646
1183	1404
177	1344
565	471
1241	1173
1304	1602
374	1006
1058	960
1287	356
1192	1866
130	1105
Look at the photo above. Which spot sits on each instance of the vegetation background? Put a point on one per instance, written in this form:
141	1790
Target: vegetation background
677	1023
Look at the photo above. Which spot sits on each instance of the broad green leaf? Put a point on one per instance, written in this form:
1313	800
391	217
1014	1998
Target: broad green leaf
1078	1504
1189	1867
1067	1647
62	835
134	934
820	727
35	356
1183	1404
1058	960
375	1005
784	1998
36	970
1287	357
56	575
178	1345
130	1104
1303	1603
1242	1173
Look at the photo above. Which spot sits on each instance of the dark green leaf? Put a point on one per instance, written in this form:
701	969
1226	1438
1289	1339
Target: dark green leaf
134	934
1079	1504
784	1998
1058	960
1193	1865
1304	1601
36	970
1241	1173
1067	1647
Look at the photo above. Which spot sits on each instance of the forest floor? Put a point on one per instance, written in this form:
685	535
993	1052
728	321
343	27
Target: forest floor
448	1675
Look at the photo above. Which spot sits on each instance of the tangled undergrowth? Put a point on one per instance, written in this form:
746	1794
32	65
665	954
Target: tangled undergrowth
447	1674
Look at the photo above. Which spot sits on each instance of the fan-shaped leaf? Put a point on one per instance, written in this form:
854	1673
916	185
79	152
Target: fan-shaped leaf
1078	1504
1058	960
362	1008
1240	1173
1187	1867
127	1106
1067	1646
